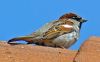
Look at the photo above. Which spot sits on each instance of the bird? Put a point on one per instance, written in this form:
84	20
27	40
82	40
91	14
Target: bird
61	33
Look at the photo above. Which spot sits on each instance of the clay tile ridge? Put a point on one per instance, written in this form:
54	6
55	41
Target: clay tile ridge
88	52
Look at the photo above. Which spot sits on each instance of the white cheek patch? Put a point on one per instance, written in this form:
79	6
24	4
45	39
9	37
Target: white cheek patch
67	26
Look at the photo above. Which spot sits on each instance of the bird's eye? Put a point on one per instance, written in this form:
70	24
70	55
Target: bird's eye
73	17
76	18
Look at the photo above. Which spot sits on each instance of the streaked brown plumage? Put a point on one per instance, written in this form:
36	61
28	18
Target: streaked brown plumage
59	33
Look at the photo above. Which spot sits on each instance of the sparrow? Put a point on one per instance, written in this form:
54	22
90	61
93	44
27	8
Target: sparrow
62	33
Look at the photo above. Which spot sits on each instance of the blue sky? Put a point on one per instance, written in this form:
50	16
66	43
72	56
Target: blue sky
22	17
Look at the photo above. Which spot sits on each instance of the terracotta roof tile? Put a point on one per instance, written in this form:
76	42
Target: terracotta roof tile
89	51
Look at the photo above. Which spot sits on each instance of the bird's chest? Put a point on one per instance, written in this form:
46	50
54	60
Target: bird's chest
67	39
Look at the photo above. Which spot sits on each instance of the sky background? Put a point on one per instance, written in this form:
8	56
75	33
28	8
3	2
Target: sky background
22	17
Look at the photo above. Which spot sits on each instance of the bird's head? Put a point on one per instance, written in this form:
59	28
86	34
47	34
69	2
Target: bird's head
73	16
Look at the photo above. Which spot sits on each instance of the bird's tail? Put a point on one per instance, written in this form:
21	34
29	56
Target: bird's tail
24	38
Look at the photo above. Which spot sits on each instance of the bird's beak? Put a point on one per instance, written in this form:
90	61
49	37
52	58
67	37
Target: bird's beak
83	20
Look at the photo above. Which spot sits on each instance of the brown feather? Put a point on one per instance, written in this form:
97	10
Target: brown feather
68	15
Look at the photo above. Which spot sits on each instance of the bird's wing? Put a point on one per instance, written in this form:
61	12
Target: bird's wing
58	31
44	28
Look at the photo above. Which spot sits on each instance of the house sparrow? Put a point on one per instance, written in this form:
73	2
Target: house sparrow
63	32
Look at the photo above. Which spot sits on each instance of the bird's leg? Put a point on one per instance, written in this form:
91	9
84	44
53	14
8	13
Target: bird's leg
62	47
